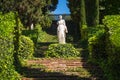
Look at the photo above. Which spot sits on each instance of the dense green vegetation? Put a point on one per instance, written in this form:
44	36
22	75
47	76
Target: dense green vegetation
29	11
7	69
111	66
104	46
26	48
62	51
102	20
98	26
13	46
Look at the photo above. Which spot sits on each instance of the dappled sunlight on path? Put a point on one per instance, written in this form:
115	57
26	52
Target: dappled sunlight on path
40	68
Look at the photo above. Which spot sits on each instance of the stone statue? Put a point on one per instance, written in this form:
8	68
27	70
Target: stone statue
61	30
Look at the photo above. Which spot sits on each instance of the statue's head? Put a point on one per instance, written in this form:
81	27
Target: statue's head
60	17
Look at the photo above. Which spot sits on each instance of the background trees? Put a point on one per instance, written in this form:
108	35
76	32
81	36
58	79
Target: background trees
95	10
92	12
85	11
30	11
110	7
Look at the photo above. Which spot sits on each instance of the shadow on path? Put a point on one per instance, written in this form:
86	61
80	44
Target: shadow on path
96	72
38	74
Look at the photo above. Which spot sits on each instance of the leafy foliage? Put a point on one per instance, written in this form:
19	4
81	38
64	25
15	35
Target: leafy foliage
112	22
62	50
111	66
7	71
110	7
83	13
96	43
30	11
108	45
32	34
39	35
78	14
26	48
43	36
74	10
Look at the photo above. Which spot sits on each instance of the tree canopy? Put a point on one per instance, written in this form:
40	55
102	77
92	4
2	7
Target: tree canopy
30	11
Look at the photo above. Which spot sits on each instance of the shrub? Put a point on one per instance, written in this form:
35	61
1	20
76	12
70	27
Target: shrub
62	50
26	48
7	23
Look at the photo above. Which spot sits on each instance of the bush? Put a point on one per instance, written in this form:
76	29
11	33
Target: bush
26	48
7	71
62	50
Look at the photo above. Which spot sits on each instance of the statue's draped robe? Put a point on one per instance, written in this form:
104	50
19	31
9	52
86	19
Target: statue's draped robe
61	31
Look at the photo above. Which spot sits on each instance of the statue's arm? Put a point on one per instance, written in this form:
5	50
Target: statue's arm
65	27
64	22
57	26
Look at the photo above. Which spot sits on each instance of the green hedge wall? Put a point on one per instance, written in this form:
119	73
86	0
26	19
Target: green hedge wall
97	43
7	23
111	67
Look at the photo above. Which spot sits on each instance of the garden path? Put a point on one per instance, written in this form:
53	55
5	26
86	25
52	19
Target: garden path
41	68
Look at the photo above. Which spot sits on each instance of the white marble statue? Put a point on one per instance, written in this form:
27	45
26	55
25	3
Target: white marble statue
61	30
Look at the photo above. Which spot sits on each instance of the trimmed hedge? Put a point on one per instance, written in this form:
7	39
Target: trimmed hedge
111	67
104	46
97	43
26	48
7	70
62	51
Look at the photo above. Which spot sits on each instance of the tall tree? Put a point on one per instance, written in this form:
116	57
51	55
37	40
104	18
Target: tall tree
78	14
82	13
75	10
92	11
82	23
